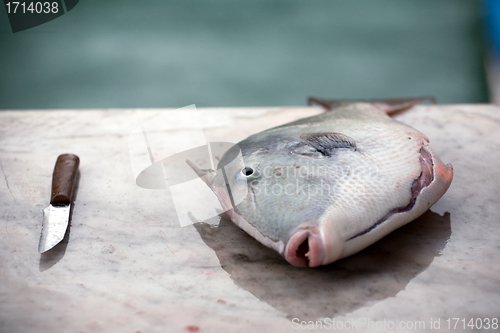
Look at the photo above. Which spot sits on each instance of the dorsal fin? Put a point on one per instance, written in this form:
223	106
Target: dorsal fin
325	143
207	175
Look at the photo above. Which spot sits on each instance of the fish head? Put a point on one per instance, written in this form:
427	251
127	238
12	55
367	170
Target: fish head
315	205
278	197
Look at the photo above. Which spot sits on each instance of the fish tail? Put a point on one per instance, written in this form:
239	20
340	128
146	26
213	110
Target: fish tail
389	105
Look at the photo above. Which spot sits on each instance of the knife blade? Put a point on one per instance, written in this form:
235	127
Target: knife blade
56	215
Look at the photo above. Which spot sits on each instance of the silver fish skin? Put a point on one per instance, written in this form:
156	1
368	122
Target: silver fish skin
325	187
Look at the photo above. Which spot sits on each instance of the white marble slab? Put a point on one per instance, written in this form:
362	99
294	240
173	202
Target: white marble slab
127	265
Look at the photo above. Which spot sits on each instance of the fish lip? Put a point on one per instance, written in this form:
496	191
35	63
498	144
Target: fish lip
315	251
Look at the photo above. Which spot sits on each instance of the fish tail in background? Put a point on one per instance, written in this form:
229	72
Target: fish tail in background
389	106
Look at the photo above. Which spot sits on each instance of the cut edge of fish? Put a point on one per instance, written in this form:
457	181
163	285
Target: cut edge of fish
428	196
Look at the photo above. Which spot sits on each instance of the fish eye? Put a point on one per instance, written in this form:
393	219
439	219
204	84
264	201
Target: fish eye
248	173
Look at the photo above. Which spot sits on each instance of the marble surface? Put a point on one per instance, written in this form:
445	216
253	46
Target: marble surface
126	265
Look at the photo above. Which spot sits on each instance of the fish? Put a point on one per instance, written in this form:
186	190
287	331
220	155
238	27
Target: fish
325	187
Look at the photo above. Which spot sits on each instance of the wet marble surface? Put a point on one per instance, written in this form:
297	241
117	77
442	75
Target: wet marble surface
126	265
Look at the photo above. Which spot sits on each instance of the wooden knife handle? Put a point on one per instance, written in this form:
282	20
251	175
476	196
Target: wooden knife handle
63	179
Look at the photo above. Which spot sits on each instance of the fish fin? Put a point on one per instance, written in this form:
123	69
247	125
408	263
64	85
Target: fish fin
325	143
395	105
328	104
207	175
389	106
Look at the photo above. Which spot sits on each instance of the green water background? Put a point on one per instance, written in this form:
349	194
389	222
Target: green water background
135	54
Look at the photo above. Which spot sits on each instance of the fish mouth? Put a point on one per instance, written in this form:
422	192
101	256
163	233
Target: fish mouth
424	179
305	248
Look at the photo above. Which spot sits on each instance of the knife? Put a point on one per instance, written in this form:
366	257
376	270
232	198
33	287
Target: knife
56	215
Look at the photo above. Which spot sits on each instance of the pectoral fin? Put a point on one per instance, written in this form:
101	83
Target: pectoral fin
326	143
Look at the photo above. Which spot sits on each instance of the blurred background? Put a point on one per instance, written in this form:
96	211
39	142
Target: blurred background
156	53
